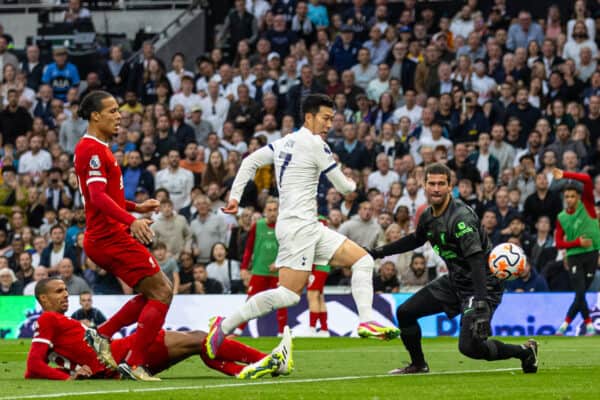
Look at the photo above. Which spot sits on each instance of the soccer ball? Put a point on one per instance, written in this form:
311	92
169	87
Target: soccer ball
507	261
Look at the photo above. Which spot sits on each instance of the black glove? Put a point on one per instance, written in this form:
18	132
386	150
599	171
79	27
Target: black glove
375	253
479	312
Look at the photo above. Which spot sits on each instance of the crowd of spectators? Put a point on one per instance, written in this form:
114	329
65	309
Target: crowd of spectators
500	98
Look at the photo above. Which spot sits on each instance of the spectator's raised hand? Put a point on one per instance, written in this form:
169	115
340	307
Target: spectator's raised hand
557	173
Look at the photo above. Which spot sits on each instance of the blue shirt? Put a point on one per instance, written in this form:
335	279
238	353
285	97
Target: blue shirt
318	15
61	79
535	283
131	178
519	38
341	57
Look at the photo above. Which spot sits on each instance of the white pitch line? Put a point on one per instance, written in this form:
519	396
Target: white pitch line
261	383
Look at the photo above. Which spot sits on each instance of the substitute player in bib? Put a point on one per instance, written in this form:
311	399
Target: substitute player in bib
114	239
259	257
577	230
60	340
299	160
469	289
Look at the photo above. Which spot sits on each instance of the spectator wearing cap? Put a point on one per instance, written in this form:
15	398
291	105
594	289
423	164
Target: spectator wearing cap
402	67
36	160
14	119
364	71
344	51
72	129
134	176
529	281
61	75
200	126
187	98
524	31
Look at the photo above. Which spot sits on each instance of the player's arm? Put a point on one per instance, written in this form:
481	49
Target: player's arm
247	257
561	242
407	243
261	157
465	228
332	170
37	363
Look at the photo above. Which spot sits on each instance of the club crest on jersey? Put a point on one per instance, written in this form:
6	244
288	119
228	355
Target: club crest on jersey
95	162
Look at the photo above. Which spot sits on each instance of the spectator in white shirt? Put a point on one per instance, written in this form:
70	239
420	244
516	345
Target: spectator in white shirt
36	160
269	131
462	24
411	110
381	84
176	180
178	72
187	98
383	178
215	108
413	198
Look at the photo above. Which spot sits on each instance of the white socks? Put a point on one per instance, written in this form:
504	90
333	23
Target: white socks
362	287
262	304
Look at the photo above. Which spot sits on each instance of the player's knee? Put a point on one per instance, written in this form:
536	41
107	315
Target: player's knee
468	348
405	316
365	263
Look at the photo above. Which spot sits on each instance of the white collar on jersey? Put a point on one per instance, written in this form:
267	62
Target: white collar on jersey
88	136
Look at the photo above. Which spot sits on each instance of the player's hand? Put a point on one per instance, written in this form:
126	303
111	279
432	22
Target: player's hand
480	327
585	242
231	207
244	274
81	373
272	268
557	173
147	206
140	229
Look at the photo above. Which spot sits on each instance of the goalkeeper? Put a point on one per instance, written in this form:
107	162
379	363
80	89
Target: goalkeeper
469	289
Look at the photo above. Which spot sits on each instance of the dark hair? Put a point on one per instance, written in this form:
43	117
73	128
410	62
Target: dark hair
415	256
438	169
159	245
57	226
85	292
572	186
212	249
91	103
42	286
313	102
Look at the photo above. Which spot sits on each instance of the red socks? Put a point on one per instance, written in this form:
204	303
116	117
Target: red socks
149	324
230	353
282	317
313	317
323	321
127	315
588	320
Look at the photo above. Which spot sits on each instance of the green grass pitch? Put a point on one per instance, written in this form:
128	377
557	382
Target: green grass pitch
343	368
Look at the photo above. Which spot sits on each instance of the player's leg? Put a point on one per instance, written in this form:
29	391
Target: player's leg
291	284
350	255
312	296
282	313
578	282
492	350
419	305
590	264
127	315
256	285
323	314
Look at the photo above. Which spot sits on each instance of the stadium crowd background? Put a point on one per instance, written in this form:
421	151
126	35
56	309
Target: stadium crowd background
501	98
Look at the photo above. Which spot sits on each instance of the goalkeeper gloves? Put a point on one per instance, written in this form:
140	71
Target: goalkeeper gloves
480	313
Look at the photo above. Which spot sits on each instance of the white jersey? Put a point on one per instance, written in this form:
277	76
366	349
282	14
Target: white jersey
299	160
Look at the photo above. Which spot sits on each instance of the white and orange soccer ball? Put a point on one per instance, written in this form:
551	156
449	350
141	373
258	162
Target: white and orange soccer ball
507	261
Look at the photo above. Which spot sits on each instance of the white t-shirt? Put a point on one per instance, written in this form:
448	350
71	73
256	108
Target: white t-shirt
178	184
483	164
413	114
30	163
188	102
482	86
220	272
175	79
271	137
382	182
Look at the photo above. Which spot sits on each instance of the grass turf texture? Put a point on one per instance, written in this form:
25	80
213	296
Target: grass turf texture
343	368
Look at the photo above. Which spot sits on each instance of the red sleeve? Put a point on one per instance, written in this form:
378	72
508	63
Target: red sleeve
102	201
249	248
559	237
130	205
37	364
588	190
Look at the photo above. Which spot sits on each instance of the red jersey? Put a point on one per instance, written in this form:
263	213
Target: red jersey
66	347
94	162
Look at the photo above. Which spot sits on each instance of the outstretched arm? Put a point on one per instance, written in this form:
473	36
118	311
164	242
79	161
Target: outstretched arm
260	157
340	182
407	243
37	364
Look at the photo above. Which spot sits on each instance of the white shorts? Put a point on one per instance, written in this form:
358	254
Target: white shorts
303	243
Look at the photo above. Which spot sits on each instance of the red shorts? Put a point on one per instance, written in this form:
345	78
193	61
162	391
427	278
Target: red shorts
260	283
316	280
157	353
122	256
